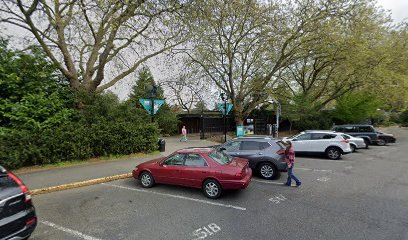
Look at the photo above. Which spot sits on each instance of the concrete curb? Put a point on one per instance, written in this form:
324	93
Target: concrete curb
80	184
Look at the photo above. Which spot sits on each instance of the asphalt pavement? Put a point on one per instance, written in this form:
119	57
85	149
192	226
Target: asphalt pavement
362	196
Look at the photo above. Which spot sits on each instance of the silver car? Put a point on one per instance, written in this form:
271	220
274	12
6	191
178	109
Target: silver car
355	142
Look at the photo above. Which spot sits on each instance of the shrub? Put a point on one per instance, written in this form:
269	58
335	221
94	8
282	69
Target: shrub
75	141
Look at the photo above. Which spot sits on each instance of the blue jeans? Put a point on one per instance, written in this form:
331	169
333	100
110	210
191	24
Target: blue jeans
291	176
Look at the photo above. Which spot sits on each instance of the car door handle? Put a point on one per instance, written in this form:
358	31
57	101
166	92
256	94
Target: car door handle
204	171
260	153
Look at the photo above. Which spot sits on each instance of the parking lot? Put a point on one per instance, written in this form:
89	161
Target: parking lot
362	196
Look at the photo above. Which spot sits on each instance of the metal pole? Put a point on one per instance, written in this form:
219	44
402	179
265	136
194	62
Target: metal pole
152	108
225	120
278	109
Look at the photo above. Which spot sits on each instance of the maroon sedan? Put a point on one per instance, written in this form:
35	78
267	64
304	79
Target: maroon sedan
205	168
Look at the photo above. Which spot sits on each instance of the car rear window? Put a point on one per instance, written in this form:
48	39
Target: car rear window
345	136
6	182
220	157
281	144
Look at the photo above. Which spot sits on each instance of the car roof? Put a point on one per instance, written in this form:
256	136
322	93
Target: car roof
196	150
255	138
321	131
353	125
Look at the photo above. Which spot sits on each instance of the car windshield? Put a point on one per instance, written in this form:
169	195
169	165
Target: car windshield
294	136
220	157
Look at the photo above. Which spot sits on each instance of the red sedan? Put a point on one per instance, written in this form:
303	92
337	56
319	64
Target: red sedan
206	168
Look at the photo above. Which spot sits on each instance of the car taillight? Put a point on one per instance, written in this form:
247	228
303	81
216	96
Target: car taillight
23	187
345	141
281	152
31	221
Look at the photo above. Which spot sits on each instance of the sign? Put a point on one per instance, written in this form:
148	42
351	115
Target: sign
240	131
221	107
146	103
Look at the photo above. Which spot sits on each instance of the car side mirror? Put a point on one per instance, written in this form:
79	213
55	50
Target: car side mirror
295	139
222	149
161	163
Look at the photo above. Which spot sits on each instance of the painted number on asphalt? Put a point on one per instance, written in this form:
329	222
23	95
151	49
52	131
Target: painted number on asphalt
206	231
323	179
278	199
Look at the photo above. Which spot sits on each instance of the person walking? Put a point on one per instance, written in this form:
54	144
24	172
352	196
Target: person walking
290	160
184	134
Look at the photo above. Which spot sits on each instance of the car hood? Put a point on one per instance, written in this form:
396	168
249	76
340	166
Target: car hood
151	162
385	134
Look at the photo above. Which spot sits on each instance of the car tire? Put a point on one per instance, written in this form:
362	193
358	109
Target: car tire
353	148
212	189
268	171
146	179
381	142
333	153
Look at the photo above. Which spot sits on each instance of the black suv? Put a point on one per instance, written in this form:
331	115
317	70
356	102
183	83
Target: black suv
17	213
266	155
367	132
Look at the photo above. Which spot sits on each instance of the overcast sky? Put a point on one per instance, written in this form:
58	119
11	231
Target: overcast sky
399	8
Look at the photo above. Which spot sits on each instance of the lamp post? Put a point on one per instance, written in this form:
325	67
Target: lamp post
152	89
278	112
224	98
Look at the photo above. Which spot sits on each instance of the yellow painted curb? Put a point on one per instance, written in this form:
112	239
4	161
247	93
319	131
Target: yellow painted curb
79	184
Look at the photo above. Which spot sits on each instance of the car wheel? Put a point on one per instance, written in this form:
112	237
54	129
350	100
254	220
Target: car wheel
212	189
353	148
146	179
381	142
333	153
267	171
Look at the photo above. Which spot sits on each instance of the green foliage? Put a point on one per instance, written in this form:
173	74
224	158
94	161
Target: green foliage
355	107
106	127
165	117
404	118
33	95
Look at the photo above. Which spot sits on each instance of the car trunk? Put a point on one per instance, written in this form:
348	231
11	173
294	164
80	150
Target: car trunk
12	206
240	164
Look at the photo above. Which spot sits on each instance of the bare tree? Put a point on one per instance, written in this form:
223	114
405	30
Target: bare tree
95	44
242	45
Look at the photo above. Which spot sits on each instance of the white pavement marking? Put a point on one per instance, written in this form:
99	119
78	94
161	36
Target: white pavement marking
314	170
178	196
270	182
69	231
323	179
322	160
348	167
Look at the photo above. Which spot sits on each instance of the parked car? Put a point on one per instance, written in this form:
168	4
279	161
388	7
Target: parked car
384	138
355	142
331	144
17	214
367	132
207	168
266	155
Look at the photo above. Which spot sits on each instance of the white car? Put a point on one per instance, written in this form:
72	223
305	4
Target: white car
355	142
328	143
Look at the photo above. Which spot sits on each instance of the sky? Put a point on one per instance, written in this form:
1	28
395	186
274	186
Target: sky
399	8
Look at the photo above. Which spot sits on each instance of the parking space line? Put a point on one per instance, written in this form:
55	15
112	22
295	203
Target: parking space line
178	196
321	160
314	170
270	182
69	231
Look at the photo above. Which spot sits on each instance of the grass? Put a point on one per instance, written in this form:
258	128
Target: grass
66	164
